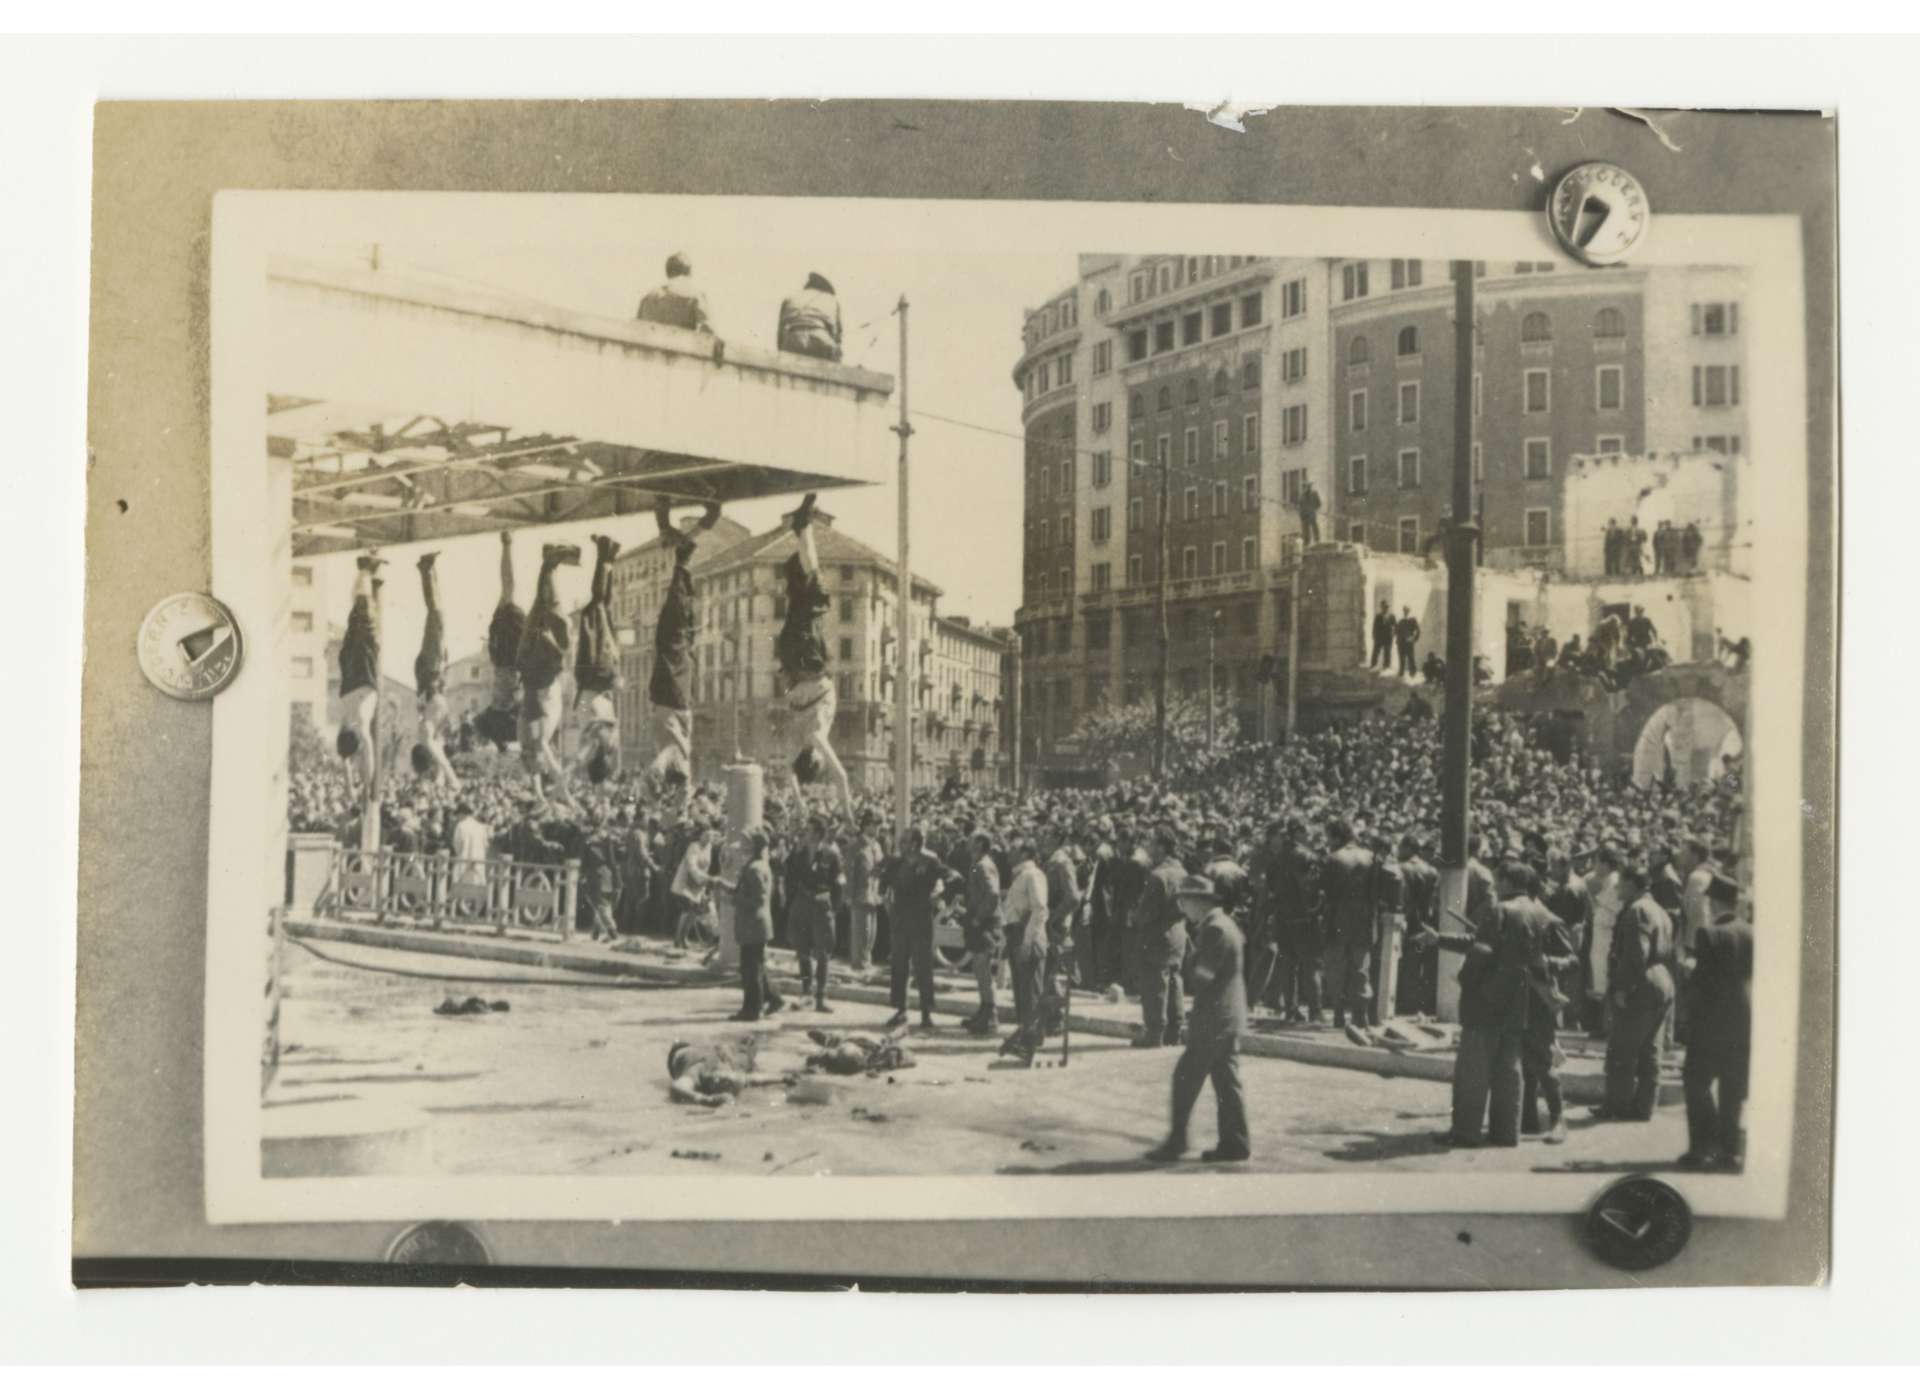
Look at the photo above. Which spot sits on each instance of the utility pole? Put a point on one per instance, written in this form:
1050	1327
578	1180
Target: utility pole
1293	643
903	619
1213	625
1160	684
1462	539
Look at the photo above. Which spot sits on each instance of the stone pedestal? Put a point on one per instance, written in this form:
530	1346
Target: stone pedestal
309	860
746	808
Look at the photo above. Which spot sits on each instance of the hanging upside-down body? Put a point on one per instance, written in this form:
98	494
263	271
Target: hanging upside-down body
542	660
430	683
596	672
360	674
670	687
810	697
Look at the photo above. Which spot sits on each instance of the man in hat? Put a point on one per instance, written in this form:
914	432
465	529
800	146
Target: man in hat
1065	901
544	647
1640	983
1299	926
1419	980
810	320
499	722
1406	632
677	301
1382	656
596	672
801	650
1214	1031
1719	1031
816	881
1163	945
670	689
360	674
918	877
752	891
1309	507
983	929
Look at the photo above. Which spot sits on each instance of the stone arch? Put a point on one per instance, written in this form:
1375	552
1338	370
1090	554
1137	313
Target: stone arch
1687	699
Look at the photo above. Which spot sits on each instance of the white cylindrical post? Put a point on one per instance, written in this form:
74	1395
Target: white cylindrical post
746	808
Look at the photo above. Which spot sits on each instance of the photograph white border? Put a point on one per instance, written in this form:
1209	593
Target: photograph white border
248	724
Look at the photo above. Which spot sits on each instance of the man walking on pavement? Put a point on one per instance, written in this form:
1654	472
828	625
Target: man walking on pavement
1219	1021
1023	916
918	878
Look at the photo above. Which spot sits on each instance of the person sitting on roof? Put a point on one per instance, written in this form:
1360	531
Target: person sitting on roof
676	302
810	320
430	681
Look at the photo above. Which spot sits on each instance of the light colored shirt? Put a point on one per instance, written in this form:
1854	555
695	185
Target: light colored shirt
1695	912
690	880
471	840
1605	890
1025	904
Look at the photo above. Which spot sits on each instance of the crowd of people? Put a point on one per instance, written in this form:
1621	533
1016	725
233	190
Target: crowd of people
1322	849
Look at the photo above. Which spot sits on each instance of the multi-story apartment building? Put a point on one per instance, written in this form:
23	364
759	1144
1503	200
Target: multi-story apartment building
958	707
1236	380
1568	361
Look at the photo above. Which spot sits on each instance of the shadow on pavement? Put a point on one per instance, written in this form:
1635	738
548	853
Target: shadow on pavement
1383	1147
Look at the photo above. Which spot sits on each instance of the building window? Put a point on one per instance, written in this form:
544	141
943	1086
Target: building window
1293	424
1220	318
1358	351
1190	448
1407	272
1609	390
1140	286
1535	328
1538	386
1100	524
1134	574
1716	317
1539	457
1134	514
1250	310
1356	476
1357	411
1066	529
1163	400
1102	417
1192	394
1250	493
1163	278
1065	366
1162	450
1102	581
1293	299
1220	497
302	576
1046	534
1189	562
1102	468
303	668
1476	393
1103	357
1066	477
1192	326
1042	379
1716	386
303	622
1102	302
1611	444
1539	528
1136	405
1249	558
1409	467
1163	337
1408	341
1250	430
1353	281
1193	502
1066	582
1219	439
1479	469
1410	402
1222	384
1609	324
1136	346
1357	532
1291	484
1250	369
846	648
1219	557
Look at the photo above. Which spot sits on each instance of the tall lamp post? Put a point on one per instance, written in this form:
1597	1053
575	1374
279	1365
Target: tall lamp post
1462	539
1160	580
1213	626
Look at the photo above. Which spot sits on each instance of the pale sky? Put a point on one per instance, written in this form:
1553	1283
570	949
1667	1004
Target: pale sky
965	329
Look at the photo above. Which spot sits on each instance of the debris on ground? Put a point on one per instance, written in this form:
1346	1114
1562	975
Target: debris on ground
867	1115
694	1155
472	1006
1031	1146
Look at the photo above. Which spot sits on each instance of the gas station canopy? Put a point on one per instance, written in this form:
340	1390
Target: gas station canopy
412	410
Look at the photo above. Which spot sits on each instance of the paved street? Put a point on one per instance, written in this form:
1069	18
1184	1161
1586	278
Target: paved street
571	1079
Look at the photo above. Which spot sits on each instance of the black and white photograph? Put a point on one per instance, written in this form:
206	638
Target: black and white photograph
769	709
